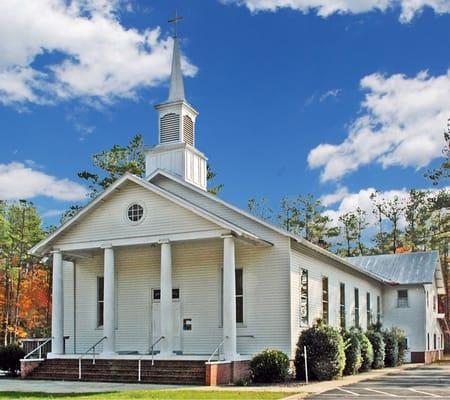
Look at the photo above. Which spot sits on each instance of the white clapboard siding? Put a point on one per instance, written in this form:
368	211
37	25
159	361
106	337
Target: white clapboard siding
318	267
69	305
197	273
108	220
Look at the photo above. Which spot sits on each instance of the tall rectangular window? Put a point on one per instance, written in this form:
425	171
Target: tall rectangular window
434	303
239	296
356	307
325	299
378	309
428	341
100	300
368	309
342	304
239	292
402	298
304	306
434	342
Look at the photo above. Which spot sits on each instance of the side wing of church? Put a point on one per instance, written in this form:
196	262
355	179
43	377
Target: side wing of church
156	271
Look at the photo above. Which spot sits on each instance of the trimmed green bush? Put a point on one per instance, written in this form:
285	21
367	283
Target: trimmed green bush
10	357
353	358
377	341
269	366
325	352
402	345
366	352
391	349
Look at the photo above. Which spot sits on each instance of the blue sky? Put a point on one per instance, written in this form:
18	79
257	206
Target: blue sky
292	100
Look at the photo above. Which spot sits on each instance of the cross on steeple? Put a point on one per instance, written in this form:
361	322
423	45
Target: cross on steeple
174	21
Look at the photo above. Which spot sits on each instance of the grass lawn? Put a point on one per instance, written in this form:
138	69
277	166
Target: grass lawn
152	395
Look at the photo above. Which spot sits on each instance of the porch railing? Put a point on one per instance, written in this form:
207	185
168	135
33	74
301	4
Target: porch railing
152	348
39	347
43	347
92	348
217	350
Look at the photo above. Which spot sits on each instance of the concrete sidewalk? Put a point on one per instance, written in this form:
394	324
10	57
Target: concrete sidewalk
301	390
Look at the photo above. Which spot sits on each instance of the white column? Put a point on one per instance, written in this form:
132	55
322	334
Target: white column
109	313
166	299
229	299
57	304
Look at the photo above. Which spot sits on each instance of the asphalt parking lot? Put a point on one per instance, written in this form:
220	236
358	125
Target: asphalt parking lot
418	383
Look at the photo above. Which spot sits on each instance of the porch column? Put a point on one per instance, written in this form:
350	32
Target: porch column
57	304
229	298
109	296
166	299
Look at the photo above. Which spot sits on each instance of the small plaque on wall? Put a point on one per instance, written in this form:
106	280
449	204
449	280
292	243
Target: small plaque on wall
187	324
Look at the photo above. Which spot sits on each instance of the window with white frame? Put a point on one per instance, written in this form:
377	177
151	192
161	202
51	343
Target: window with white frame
239	288
342	305
378	309
356	307
100	301
325	313
368	309
402	298
304	297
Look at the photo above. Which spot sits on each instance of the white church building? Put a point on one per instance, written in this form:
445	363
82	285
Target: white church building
165	282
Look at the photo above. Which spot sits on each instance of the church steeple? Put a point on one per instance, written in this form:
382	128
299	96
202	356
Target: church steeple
175	151
176	90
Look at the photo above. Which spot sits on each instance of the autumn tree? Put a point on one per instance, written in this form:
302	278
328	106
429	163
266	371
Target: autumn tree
21	229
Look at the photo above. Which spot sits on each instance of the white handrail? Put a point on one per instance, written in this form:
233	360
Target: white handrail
152	348
46	340
217	349
86	352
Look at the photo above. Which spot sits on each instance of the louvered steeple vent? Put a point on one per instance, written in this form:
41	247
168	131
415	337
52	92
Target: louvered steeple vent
176	152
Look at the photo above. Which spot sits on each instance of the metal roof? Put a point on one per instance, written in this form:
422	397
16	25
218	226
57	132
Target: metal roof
402	268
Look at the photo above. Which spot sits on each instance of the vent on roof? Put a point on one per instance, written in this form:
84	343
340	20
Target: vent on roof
188	129
170	128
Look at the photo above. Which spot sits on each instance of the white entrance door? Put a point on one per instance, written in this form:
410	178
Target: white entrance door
176	319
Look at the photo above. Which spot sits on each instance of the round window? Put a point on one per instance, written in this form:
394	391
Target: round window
135	212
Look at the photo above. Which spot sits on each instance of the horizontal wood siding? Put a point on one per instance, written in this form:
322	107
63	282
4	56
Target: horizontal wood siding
197	273
319	267
108	220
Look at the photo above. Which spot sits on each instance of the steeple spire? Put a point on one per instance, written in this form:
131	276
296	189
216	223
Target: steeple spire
176	91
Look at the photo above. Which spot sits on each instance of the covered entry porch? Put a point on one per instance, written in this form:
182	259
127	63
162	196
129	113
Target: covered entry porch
164	298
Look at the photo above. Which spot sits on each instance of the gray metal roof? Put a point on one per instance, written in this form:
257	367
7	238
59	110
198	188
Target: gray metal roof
402	268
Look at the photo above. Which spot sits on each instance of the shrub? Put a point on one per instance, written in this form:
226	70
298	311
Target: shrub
353	358
269	366
391	349
402	345
366	352
10	357
377	341
325	352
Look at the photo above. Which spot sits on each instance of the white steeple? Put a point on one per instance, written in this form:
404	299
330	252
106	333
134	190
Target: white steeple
175	151
176	90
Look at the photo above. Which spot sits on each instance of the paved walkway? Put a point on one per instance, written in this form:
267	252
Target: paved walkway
19	385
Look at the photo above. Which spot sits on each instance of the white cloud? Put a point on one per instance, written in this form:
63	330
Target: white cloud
402	124
91	54
330	93
351	201
18	181
325	8
333	198
52	213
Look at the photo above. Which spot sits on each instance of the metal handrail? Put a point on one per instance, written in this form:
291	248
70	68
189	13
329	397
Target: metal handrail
152	347
216	350
46	340
86	352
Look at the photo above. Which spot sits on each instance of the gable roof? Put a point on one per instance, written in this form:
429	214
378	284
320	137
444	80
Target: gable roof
402	268
240	217
44	246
